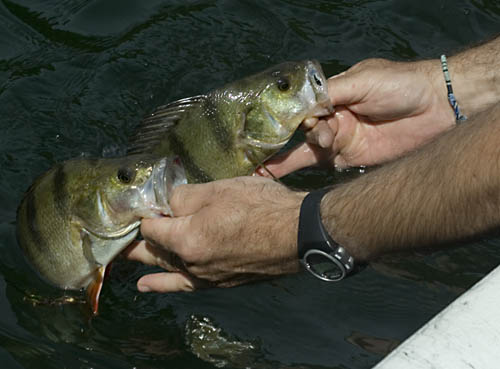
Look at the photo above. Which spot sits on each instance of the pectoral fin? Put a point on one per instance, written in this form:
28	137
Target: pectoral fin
94	289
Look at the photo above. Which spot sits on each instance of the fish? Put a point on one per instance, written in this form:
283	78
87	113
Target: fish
76	217
232	130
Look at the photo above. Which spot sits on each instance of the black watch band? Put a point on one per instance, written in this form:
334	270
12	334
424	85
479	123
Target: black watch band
318	252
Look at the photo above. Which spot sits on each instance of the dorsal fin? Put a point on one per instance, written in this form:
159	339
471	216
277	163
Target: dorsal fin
153	127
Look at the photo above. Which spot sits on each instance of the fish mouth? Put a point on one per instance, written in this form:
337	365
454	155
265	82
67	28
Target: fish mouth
317	92
159	191
167	174
321	109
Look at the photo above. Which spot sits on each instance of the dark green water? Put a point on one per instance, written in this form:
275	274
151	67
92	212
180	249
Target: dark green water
77	76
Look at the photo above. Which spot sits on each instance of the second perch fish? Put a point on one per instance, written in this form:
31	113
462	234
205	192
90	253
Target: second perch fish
231	130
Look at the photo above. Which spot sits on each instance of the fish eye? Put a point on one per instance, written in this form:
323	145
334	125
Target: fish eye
283	84
317	80
125	175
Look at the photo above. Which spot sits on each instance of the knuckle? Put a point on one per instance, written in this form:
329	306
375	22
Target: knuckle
224	190
195	271
190	250
183	252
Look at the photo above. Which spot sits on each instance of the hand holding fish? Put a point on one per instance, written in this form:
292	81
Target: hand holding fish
383	110
214	241
71	237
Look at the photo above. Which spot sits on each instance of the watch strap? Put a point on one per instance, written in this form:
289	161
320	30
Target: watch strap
312	234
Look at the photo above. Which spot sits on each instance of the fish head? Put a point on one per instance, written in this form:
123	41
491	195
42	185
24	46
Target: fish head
128	189
138	186
285	95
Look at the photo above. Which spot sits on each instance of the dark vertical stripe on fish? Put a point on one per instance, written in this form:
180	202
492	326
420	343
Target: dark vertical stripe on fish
59	188
190	166
220	131
32	222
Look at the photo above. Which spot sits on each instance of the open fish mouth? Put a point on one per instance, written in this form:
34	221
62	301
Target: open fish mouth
316	92
165	176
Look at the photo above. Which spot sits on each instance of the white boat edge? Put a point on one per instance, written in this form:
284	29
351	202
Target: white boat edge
465	334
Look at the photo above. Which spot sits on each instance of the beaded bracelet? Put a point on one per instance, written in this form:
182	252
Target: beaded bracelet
451	97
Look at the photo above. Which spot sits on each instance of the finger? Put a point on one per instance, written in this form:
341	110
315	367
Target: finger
308	123
165	282
321	135
345	88
188	199
164	232
146	253
302	156
140	251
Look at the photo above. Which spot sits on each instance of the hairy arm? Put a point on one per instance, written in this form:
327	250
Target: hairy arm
449	190
475	75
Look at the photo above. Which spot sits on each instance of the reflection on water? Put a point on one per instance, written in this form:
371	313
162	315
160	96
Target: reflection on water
375	345
208	343
76	77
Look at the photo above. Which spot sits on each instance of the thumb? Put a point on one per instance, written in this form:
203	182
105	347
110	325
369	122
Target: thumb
344	88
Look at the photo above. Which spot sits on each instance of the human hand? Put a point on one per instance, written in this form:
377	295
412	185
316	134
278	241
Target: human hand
383	109
224	233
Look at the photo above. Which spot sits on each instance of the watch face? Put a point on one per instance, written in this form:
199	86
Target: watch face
324	266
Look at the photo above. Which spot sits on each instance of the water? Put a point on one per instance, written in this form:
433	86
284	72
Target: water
77	76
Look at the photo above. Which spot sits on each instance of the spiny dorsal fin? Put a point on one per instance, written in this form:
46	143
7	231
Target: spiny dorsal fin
153	127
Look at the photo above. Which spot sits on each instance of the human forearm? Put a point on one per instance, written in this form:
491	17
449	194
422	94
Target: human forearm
448	190
475	75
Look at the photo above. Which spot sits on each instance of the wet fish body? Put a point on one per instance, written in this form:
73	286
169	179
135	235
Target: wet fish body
230	131
80	214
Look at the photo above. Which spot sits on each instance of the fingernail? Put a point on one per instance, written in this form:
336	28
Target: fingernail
310	122
323	140
260	172
143	288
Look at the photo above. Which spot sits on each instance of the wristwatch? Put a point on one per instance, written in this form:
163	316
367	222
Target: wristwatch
318	252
